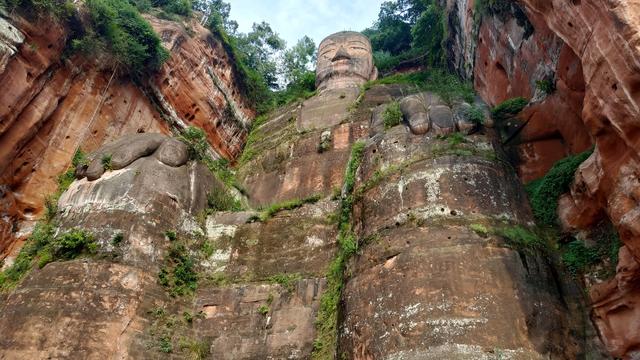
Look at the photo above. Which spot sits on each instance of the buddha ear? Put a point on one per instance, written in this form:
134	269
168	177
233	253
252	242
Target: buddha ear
374	74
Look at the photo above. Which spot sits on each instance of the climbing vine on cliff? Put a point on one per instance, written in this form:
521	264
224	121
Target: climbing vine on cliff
327	321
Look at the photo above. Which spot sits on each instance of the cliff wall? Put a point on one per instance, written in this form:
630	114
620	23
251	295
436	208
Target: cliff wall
589	50
54	103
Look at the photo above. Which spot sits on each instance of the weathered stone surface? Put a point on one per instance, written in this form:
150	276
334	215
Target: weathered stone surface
327	109
93	171
120	153
286	163
461	118
443	292
239	331
377	121
345	60
301	241
299	244
416	111
199	85
615	308
173	152
426	179
80	309
141	201
424	286
603	36
130	148
442	120
515	52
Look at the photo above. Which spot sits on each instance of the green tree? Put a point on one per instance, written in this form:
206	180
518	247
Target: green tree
217	11
407	30
428	33
390	33
298	60
261	48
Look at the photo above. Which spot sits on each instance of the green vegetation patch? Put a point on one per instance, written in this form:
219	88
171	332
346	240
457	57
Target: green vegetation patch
392	115
448	86
579	258
508	109
218	199
179	275
222	200
196	141
249	152
270	211
118	26
287	281
547	86
43	247
106	162
520	238
170	334
59	9
545	192
475	114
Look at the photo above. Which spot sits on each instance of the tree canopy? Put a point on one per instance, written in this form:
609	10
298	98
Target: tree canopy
407	29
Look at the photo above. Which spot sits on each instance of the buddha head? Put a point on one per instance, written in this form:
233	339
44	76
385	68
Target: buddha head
345	59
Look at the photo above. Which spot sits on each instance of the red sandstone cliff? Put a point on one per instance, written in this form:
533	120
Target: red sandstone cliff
51	105
590	48
606	35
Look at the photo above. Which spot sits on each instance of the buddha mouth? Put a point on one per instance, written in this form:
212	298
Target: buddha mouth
341	62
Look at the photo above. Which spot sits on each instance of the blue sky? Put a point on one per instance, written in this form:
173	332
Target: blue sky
293	19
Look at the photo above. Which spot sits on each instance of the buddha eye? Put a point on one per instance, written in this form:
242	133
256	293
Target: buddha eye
326	53
358	48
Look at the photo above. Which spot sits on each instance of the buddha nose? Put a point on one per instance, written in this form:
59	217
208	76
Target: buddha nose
341	54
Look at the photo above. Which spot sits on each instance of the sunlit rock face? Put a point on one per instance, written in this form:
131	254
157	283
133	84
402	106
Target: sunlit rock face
345	60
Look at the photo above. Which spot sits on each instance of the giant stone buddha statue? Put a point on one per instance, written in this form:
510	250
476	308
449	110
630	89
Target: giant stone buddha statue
345	62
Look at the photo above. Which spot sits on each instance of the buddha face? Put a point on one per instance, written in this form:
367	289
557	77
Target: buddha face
345	60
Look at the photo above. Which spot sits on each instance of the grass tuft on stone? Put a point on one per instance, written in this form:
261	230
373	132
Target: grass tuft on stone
287	281
272	210
392	115
580	258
